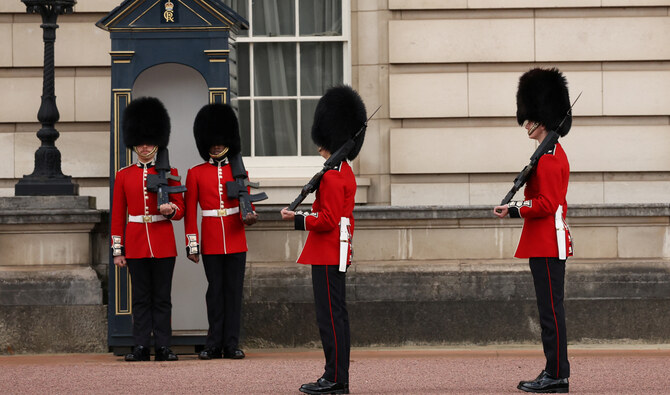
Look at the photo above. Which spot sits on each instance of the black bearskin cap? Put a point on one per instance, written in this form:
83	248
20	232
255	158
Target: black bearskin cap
146	121
543	97
216	124
339	114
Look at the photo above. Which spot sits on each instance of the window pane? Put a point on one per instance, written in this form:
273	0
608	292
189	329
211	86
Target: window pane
307	112
239	6
274	69
276	128
320	17
242	69
320	67
244	118
274	18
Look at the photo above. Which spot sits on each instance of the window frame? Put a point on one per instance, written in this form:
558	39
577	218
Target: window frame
299	160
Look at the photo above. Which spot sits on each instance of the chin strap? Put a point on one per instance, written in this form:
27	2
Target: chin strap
220	154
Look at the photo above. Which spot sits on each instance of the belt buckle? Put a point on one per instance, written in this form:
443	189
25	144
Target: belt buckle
146	219
222	212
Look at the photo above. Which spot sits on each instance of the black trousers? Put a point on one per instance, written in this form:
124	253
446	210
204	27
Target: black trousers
333	320
151	289
549	279
225	276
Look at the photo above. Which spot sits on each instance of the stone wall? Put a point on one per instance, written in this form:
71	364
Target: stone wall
444	275
50	296
445	73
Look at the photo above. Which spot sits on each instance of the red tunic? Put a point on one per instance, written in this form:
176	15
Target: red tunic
545	190
334	200
142	240
206	185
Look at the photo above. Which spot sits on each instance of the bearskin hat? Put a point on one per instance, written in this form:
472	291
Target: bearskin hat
146	121
216	124
339	114
543	97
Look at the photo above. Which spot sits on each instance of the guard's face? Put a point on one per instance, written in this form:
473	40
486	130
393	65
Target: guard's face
535	130
531	127
324	152
146	152
218	151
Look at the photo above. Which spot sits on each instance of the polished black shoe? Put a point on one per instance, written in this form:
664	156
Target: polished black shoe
545	384
210	353
165	354
140	353
323	386
234	353
539	376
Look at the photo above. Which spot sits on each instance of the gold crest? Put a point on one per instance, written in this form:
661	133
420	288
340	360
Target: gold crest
169	12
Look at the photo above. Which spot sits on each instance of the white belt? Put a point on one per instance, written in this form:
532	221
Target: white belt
560	233
146	218
220	212
344	243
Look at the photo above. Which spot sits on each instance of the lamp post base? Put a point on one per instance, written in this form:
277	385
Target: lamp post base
45	186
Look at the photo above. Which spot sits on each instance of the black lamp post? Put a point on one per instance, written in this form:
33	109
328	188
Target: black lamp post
47	178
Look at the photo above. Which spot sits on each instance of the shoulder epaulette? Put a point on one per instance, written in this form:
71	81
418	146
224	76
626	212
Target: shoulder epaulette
552	151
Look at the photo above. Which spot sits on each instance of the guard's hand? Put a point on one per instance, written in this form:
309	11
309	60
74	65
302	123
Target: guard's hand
194	257
120	261
168	208
501	211
286	214
250	219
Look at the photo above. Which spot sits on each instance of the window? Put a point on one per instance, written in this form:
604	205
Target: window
293	51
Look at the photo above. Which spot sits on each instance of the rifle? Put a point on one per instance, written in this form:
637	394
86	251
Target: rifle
238	189
332	162
549	141
159	182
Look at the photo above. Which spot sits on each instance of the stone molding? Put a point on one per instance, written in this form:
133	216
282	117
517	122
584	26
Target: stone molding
20	210
271	213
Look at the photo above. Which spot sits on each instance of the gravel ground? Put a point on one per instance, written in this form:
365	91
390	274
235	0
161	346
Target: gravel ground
478	370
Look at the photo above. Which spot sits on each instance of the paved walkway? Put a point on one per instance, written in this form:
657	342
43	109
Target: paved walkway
479	370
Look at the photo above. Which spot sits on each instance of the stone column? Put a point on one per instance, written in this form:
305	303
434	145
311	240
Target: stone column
50	296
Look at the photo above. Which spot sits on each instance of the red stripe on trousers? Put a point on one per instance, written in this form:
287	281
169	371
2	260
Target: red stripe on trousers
333	321
551	294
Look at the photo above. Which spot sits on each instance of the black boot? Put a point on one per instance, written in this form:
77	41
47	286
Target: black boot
323	386
545	384
140	353
233	353
165	354
210	353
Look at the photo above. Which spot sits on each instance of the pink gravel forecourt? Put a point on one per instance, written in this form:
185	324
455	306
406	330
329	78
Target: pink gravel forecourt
611	369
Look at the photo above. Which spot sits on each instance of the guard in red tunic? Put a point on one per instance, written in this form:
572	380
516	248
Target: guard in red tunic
222	242
339	115
542	103
146	244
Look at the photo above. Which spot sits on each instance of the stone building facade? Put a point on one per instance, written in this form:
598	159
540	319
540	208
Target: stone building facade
443	149
445	73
